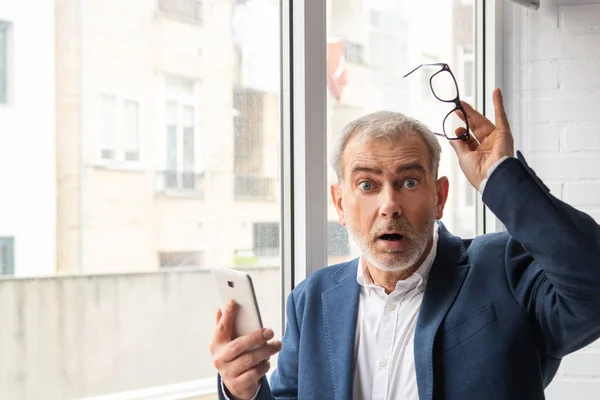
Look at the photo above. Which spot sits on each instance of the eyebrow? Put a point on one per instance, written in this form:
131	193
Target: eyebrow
415	166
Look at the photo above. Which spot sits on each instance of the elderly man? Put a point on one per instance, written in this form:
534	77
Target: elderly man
423	314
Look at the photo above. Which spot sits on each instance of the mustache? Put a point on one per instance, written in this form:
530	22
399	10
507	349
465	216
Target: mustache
396	224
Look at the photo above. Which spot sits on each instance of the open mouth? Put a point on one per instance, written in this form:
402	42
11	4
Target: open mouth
391	237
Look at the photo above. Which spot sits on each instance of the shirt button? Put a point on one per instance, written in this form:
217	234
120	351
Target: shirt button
383	363
392	307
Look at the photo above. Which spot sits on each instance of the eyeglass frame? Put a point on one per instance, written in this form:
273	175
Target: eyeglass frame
455	101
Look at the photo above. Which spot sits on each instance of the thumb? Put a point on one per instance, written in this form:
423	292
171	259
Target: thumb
460	146
226	323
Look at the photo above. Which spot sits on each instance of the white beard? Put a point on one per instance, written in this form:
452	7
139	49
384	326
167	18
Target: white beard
397	261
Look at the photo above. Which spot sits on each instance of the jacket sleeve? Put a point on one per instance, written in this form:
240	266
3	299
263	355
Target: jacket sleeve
552	258
284	380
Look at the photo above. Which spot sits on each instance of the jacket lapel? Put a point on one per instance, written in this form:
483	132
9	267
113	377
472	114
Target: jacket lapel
445	280
340	311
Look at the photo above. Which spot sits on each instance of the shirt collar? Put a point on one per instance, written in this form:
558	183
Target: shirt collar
417	279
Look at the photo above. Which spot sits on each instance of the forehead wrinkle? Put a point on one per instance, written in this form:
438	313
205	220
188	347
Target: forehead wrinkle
377	155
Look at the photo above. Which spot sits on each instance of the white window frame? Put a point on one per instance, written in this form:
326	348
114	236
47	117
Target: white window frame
119	162
304	97
489	72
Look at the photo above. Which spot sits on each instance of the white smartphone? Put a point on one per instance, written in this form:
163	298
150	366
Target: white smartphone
237	285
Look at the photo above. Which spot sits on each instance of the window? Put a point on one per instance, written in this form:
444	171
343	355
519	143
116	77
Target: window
400	38
182	168
251	181
468	78
266	238
388	43
118	129
337	240
124	196
7	258
355	52
4	32
190	89
189	10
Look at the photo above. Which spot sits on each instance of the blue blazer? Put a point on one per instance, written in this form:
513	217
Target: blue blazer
499	312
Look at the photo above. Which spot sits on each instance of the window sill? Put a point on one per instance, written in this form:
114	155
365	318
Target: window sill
180	194
255	199
120	167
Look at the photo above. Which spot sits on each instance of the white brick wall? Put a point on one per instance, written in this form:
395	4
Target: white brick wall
552	88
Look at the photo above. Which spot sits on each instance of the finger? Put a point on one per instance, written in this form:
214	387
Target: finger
245	385
499	111
476	120
252	358
247	342
460	146
463	130
254	374
224	330
460	114
219	315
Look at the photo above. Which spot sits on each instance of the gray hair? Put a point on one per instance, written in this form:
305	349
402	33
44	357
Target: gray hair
385	125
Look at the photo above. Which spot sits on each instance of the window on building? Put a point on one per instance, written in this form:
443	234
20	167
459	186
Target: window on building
468	78
250	182
266	239
182	167
188	10
4	33
337	240
355	52
7	256
118	128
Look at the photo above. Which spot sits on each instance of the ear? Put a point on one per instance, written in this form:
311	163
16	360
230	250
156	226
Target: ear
336	196
442	188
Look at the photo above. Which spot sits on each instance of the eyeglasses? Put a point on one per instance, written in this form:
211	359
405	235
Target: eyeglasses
444	87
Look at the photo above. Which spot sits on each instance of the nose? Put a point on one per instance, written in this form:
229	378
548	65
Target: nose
390	204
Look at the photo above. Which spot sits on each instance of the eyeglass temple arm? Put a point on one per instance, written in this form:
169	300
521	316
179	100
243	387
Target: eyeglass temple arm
425	65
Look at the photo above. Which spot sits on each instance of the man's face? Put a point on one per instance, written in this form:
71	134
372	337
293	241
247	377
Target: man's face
389	200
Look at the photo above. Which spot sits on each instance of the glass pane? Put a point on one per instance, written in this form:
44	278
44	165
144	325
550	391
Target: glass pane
171	150
469	79
6	256
397	37
130	130
189	149
3	61
171	177
115	294
108	126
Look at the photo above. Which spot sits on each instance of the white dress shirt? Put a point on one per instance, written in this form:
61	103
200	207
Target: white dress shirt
384	361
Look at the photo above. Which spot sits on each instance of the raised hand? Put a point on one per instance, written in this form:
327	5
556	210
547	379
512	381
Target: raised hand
486	145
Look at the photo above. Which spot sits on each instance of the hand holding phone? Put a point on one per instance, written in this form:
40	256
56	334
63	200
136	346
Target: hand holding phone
240	354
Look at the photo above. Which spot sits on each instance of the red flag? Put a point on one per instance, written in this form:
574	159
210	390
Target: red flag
336	68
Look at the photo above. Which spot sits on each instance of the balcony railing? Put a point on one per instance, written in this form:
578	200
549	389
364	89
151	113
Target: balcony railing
254	187
180	183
